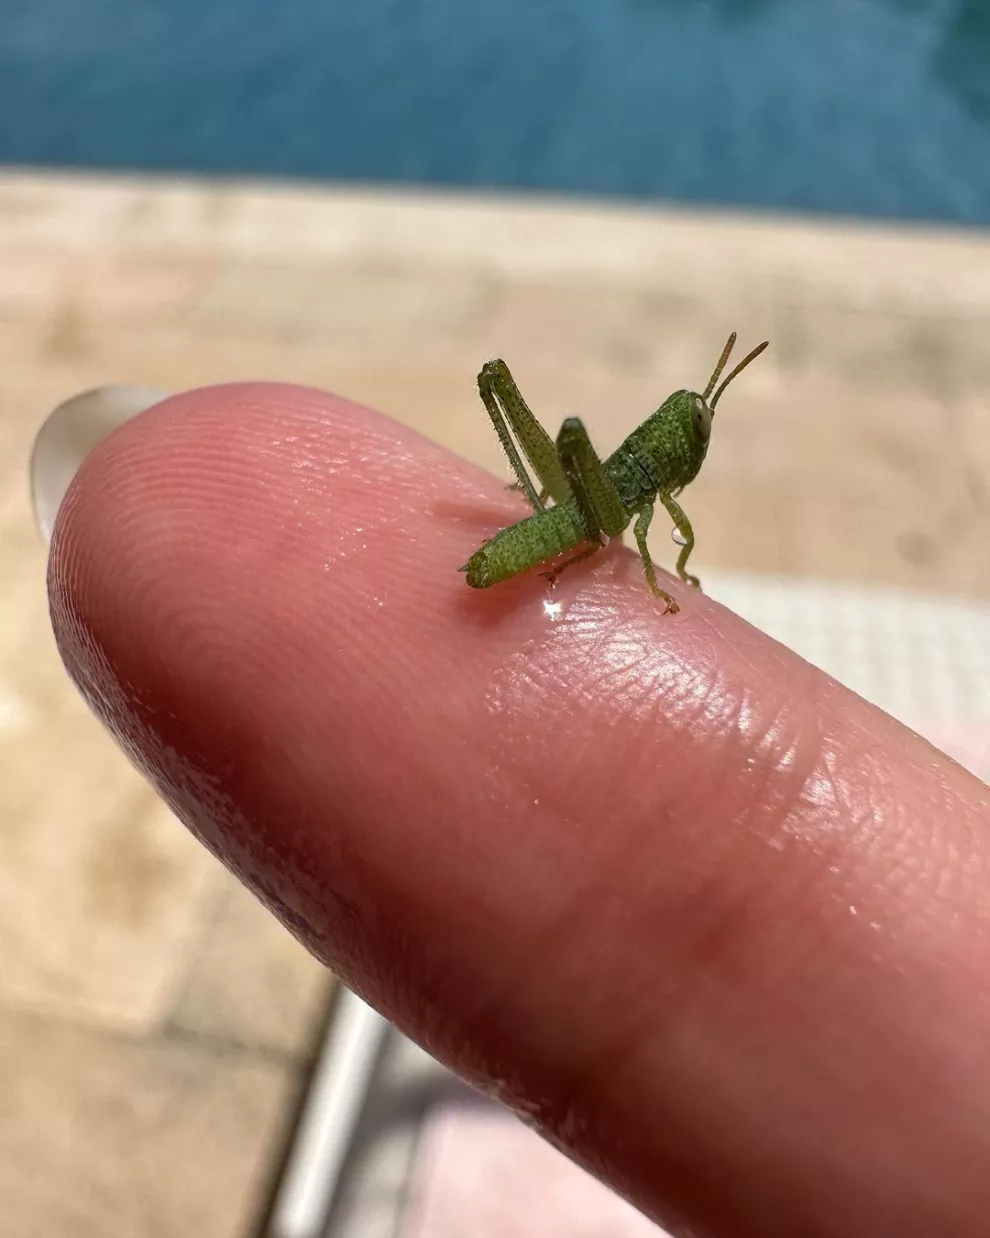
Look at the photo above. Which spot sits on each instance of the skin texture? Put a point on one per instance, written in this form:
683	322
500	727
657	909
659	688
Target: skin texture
711	922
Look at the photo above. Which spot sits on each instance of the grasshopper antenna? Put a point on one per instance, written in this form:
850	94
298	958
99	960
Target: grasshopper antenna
720	367
738	370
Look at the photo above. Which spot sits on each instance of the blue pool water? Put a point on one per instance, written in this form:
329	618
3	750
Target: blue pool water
872	107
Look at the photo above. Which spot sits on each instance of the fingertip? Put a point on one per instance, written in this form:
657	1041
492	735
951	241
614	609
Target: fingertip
600	858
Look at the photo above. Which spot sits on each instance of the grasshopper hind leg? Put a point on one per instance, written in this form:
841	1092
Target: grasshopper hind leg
554	574
594	493
514	422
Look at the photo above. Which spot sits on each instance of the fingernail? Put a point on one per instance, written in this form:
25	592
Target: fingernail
67	437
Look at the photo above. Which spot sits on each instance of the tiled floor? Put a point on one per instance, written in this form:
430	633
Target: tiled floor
153	1020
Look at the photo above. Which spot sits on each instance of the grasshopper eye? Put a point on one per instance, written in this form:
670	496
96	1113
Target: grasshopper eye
702	417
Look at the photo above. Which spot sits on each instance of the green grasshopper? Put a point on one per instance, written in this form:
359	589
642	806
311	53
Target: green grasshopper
594	500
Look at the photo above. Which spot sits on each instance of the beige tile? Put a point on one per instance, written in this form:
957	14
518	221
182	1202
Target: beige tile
330	305
578	325
882	350
251	982
141	289
503	235
101	1137
101	890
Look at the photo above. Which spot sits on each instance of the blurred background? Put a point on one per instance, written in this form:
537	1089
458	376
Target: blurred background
374	198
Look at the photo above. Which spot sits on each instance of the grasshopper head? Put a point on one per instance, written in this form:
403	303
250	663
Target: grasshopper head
693	411
692	414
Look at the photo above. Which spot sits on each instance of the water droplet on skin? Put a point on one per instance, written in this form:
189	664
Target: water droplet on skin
853	911
677	537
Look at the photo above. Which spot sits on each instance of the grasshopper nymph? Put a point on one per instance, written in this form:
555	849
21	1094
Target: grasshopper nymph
595	499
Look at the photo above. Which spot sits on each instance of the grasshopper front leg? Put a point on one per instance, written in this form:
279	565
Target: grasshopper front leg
683	526
508	410
640	530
